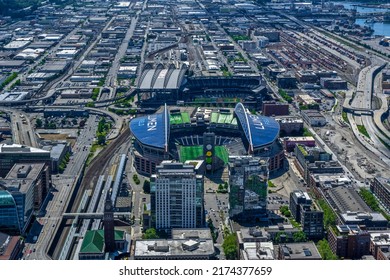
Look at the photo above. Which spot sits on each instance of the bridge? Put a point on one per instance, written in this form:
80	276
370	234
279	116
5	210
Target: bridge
358	111
92	215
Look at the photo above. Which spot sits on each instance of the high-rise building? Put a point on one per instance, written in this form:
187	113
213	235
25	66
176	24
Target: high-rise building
305	212
248	177
177	195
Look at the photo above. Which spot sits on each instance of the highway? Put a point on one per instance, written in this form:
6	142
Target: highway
363	100
63	185
111	80
22	131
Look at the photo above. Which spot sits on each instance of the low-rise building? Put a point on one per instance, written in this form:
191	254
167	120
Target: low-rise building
298	251
380	187
11	154
313	117
10	247
93	245
252	235
289	143
186	244
349	241
272	108
257	251
380	245
334	83
371	220
286	80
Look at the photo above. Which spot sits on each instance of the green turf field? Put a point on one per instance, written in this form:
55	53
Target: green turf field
190	152
175	119
222	153
194	152
185	117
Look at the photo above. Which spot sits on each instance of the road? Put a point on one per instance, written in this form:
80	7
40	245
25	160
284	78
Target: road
363	100
22	131
63	185
111	80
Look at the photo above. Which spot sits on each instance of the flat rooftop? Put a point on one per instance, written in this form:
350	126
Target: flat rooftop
171	247
347	199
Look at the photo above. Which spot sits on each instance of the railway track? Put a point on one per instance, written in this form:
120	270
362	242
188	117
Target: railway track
91	175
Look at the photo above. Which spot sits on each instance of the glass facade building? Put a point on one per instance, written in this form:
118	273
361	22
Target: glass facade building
9	214
248	182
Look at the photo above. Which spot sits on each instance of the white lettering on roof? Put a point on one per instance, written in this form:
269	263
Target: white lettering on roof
152	123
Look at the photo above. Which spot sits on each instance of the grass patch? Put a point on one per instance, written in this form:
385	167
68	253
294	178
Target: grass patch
285	96
383	142
372	202
271	184
363	130
344	115
307	132
329	216
294	223
342	41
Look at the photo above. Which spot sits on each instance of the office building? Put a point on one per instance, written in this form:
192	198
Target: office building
248	177
307	214
11	154
34	174
16	207
313	160
177	196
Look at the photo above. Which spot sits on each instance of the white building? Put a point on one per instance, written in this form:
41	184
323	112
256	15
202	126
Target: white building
177	196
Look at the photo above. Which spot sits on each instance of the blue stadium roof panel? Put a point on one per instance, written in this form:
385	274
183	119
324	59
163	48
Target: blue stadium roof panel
259	130
152	130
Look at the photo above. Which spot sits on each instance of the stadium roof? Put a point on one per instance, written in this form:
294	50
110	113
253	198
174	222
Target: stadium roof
161	79
259	130
152	130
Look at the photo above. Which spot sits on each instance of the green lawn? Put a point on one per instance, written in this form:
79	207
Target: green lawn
363	130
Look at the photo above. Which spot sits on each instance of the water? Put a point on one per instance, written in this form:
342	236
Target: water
359	9
380	28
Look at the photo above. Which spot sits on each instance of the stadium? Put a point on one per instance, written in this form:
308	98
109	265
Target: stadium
158	86
191	133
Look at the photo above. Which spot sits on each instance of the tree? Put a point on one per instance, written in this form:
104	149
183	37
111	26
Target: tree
278	237
146	186
38	123
299	236
150	233
325	251
230	247
101	139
